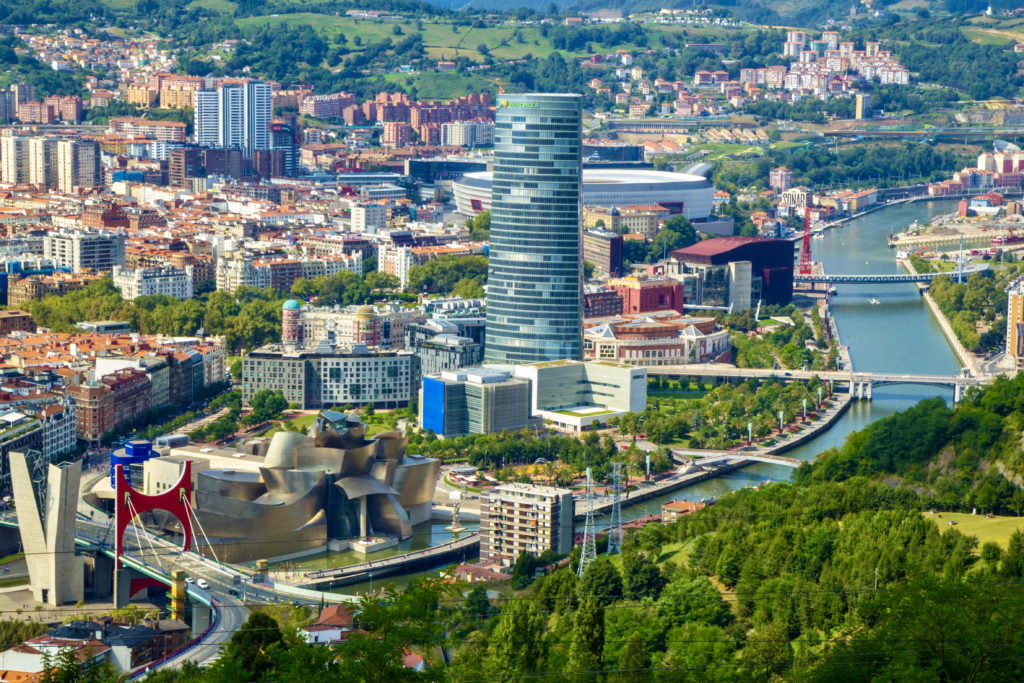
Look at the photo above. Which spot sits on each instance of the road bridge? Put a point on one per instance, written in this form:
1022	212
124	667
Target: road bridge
869	279
859	384
728	456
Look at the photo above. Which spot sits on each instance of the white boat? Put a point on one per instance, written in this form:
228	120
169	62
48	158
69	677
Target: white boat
874	301
900	255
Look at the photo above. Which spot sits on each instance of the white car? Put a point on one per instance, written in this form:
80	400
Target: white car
202	584
189	579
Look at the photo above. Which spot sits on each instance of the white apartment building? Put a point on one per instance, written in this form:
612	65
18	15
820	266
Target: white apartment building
42	162
83	250
14	167
168	281
518	518
206	118
395	260
237	270
468	133
59	430
236	114
369	218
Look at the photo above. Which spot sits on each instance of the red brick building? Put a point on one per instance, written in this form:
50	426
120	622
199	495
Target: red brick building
648	295
11	321
117	399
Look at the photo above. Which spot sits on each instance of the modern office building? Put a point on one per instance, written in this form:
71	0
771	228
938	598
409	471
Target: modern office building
474	401
735	271
573	396
447	352
518	518
534	294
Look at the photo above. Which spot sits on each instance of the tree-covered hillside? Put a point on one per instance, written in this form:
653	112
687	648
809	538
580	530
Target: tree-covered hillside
964	457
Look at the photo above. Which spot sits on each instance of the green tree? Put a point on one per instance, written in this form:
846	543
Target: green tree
249	654
516	644
641	578
586	653
601	581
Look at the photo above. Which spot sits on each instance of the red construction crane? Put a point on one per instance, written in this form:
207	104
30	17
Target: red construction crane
806	264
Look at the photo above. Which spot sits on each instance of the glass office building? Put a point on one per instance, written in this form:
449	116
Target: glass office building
534	294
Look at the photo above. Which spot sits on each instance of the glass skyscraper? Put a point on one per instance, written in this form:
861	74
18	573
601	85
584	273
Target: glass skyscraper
534	292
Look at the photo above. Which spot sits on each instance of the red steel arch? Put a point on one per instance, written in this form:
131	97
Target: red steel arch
174	500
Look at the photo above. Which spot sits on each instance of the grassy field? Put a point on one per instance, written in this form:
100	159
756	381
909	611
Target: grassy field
439	39
676	552
444	86
996	529
221	6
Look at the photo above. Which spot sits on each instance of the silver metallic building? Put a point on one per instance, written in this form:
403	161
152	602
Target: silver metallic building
534	293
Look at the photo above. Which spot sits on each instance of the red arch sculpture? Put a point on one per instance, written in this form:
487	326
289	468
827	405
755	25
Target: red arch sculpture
173	500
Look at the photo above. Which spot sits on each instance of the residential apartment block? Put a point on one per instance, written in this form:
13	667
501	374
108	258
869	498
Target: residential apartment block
172	282
85	250
321	377
518	518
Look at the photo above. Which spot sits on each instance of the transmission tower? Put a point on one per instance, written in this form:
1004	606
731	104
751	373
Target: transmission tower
615	528
589	550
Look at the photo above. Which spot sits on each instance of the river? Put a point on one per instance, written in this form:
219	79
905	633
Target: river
897	335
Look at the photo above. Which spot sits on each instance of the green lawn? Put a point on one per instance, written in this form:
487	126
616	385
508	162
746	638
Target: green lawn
996	529
676	552
443	86
222	6
11	558
8	581
439	39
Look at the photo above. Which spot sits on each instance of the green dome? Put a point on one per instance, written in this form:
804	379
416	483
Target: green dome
291	305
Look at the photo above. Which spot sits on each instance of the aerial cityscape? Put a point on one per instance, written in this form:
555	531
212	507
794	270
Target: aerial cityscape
426	340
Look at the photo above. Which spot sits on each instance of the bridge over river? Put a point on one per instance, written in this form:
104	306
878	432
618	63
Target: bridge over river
859	384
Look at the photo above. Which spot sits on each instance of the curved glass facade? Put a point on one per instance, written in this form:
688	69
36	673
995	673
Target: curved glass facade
534	293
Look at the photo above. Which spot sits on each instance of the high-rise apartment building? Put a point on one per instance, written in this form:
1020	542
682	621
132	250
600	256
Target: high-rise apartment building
518	518
258	101
14	167
534	294
230	115
205	103
78	164
42	166
237	114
